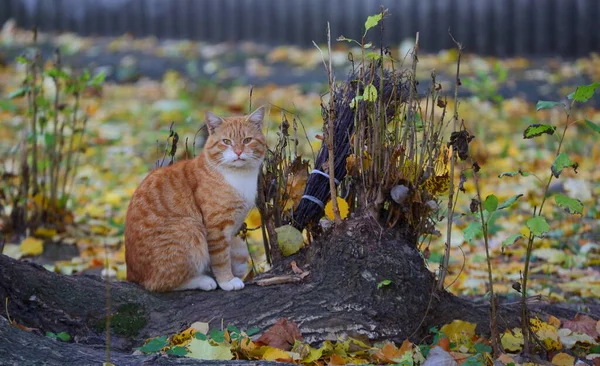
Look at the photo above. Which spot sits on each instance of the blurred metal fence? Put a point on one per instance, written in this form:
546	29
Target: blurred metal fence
488	27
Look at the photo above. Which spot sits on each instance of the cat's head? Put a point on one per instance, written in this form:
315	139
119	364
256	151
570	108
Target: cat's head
236	142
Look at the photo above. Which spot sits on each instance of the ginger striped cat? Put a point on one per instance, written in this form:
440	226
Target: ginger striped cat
184	218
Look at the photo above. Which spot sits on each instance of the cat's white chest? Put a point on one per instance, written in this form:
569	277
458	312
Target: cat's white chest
244	182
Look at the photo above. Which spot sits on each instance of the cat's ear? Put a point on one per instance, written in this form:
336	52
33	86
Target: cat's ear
212	121
256	118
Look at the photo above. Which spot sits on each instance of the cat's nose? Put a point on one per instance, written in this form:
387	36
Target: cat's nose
238	152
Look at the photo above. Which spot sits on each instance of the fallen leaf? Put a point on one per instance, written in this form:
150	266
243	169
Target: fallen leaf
554	321
458	330
43	232
582	323
282	335
276	354
546	333
295	268
388	353
512	341
563	359
336	360
343	206
32	246
570	338
201	327
204	350
505	359
438	357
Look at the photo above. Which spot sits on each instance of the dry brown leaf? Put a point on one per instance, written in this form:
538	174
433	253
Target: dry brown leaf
388	353
582	324
295	268
336	360
505	359
563	359
281	335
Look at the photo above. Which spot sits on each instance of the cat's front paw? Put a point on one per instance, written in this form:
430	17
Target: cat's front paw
232	285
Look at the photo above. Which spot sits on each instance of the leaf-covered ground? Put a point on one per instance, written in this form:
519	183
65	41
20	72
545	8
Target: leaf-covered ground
152	84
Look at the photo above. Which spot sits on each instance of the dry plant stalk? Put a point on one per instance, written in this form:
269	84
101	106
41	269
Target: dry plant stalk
451	192
329	134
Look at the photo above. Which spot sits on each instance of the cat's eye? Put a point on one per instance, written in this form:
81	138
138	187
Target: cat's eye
247	140
226	141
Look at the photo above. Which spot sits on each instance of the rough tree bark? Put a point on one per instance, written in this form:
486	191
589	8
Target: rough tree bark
339	297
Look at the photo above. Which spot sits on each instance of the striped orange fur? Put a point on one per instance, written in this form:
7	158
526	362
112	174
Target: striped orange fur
182	220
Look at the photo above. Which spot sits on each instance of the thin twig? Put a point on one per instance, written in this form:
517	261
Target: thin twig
444	267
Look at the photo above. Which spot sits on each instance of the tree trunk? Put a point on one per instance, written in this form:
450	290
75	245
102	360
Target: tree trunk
340	297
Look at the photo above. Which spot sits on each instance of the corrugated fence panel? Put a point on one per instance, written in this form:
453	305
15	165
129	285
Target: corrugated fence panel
489	27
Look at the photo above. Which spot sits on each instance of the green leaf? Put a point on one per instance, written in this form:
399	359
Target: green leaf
49	139
546	104
372	21
354	101
98	79
370	93
383	283
373	55
51	335
584	92
342	38
482	348
511	240
514	173
63	336
177	351
571	205
154	345
509	202
490	203
7	105
472	230
538	225
233	329
252	331
538	129
592	125
204	350
562	161
19	93
217	335
200	336
22	60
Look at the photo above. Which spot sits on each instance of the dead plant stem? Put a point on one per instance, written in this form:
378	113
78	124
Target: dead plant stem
444	266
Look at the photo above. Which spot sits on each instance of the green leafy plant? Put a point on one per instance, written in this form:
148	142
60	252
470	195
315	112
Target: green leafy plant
53	137
62	336
537	224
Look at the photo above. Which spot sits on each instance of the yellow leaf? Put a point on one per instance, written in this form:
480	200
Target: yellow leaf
512	342
253	219
276	354
32	246
43	232
203	350
563	359
183	338
342	204
554	321
546	333
113	199
313	355
459	329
